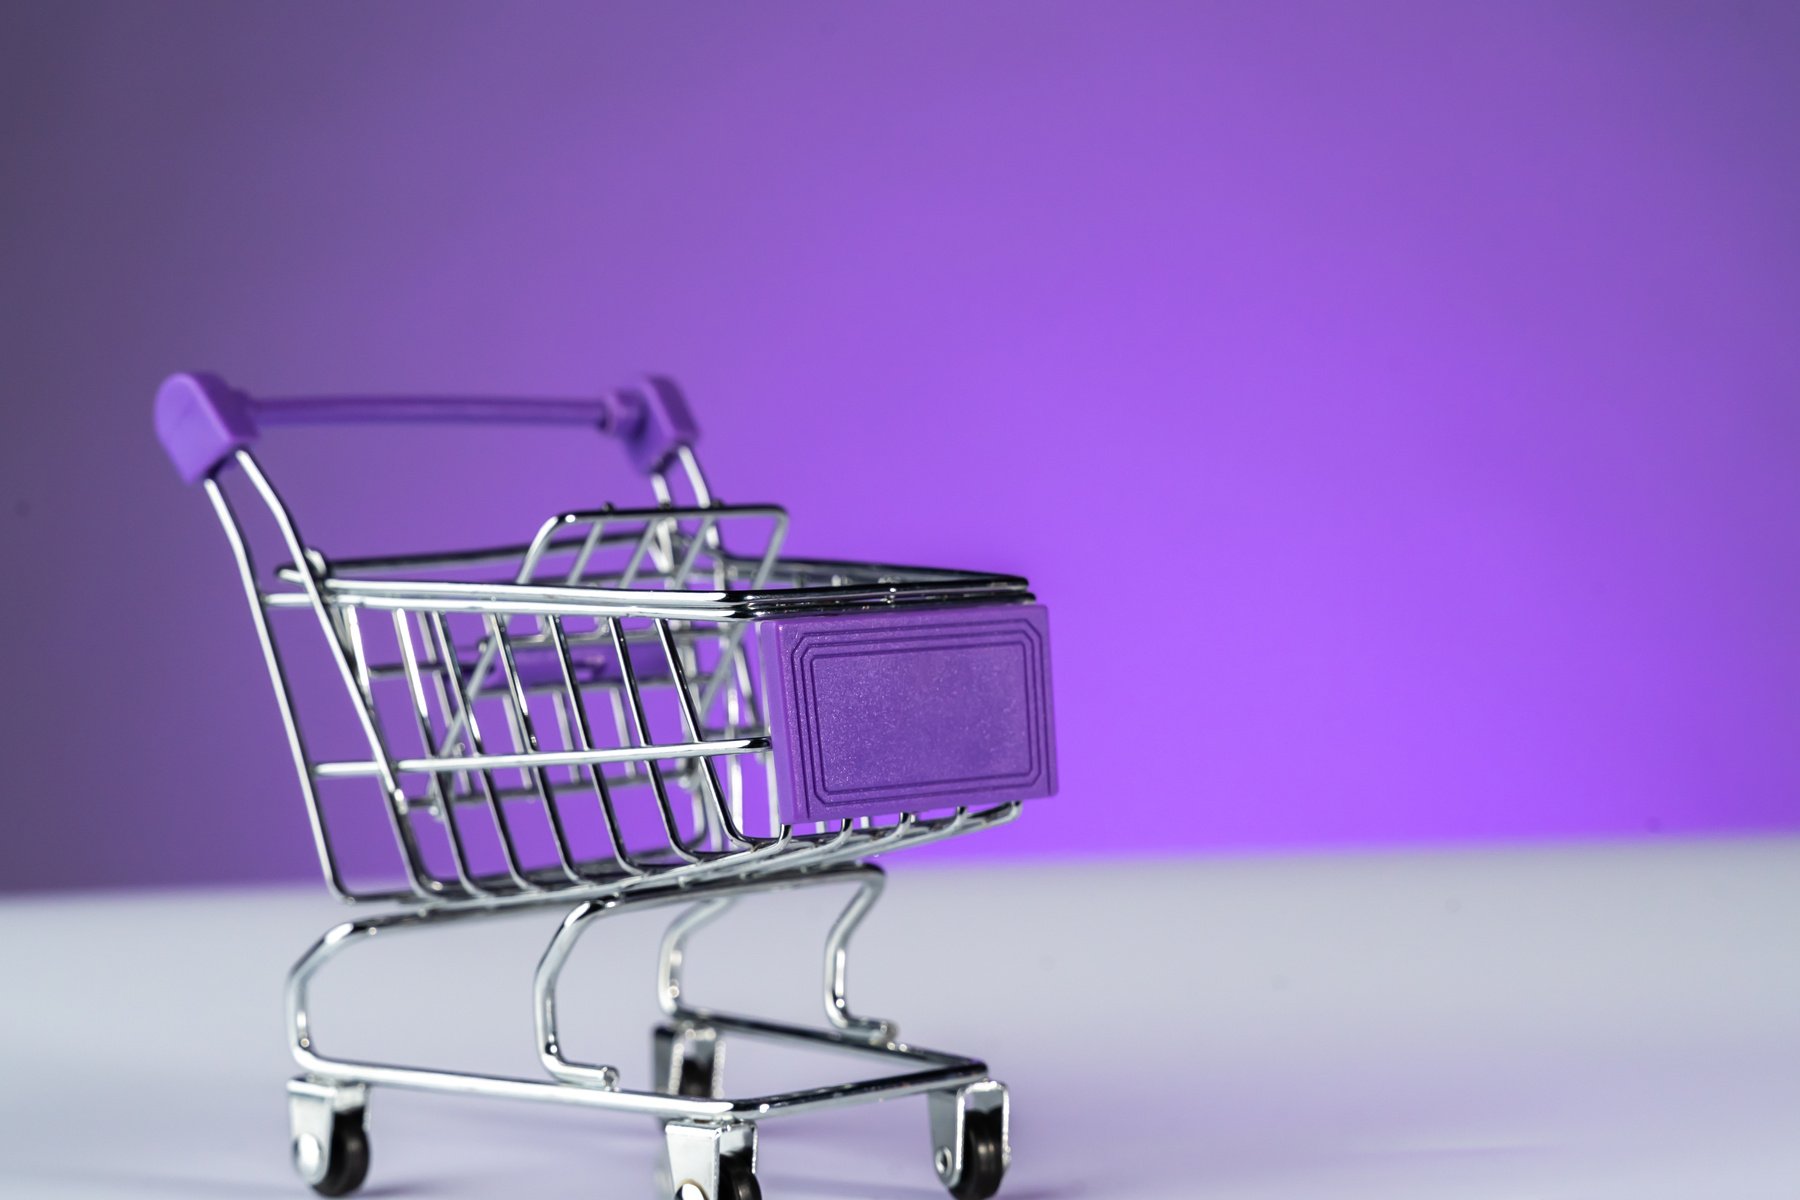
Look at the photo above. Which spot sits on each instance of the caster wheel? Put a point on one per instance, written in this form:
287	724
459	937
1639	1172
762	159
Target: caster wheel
347	1163
983	1158
696	1079
686	1063
737	1181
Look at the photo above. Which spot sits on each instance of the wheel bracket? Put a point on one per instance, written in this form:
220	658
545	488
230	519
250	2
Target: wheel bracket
949	1118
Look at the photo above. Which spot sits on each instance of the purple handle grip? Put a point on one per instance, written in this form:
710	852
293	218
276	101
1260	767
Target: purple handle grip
202	420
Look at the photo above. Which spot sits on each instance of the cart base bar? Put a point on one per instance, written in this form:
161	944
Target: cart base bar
711	1138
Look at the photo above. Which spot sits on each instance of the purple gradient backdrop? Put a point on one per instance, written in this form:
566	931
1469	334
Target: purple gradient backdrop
1395	403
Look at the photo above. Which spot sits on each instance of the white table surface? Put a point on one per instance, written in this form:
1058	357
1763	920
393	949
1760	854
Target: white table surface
1610	1021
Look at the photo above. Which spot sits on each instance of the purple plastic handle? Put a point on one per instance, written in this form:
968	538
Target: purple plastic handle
202	420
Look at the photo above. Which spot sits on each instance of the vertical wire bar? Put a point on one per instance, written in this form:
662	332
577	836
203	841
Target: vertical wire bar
461	785
350	627
560	707
663	554
735	630
440	794
310	567
617	696
571	708
478	674
679	575
691	720
472	731
584	734
578	568
540	545
629	675
696	478
772	783
526	740
677	580
734	768
629	575
724	634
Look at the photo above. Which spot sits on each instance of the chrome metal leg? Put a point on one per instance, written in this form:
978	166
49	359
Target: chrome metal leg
837	963
674	948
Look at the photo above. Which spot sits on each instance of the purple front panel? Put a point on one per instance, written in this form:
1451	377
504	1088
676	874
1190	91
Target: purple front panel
881	713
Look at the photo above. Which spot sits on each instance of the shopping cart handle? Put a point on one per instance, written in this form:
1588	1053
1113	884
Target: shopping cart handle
202	420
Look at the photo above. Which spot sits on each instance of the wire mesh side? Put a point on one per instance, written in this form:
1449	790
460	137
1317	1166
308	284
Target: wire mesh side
518	752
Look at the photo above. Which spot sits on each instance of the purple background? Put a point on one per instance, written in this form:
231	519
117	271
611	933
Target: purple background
1395	403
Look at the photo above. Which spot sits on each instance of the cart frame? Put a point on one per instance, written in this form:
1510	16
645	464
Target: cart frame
707	865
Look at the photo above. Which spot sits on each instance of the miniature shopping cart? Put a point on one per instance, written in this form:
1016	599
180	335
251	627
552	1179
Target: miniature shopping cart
638	707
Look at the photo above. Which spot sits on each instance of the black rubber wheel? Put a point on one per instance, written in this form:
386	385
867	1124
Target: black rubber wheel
693	1073
984	1161
737	1181
349	1161
696	1079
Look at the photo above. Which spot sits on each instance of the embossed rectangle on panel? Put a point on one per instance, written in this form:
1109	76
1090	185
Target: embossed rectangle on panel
898	712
